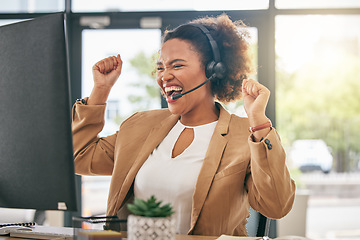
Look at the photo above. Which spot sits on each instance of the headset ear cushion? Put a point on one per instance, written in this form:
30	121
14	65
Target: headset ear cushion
215	68
219	70
209	69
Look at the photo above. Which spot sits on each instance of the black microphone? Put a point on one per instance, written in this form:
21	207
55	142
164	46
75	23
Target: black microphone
179	95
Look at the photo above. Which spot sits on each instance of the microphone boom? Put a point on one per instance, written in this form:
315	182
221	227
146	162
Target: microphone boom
176	96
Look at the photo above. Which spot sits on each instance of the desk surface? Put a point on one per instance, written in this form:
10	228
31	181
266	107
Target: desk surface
178	237
69	231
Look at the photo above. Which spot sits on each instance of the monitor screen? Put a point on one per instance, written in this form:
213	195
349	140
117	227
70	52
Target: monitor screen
36	152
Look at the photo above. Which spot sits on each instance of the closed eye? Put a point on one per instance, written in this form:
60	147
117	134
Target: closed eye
159	69
178	66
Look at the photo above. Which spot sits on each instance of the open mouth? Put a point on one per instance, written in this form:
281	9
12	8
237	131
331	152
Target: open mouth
169	91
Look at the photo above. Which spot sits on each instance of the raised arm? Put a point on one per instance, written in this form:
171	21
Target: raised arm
94	155
270	187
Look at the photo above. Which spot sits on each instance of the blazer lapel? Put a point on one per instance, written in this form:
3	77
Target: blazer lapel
210	165
156	135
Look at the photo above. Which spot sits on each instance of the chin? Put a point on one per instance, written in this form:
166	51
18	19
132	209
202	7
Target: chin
175	110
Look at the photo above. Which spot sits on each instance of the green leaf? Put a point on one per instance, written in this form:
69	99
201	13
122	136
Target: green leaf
150	208
141	204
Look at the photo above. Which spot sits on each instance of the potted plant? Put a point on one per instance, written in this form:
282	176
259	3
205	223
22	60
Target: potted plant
150	220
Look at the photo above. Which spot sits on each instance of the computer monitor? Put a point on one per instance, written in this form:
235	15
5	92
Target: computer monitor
36	151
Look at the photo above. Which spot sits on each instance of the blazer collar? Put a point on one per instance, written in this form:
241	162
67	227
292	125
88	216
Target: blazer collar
224	120
159	132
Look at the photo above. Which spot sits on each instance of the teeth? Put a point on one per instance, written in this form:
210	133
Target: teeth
172	88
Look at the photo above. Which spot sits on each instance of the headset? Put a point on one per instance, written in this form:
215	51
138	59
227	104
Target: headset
215	67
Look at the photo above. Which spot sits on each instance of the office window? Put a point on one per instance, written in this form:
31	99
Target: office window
162	5
307	4
135	90
31	6
318	117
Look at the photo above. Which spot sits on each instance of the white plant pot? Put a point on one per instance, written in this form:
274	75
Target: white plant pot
141	228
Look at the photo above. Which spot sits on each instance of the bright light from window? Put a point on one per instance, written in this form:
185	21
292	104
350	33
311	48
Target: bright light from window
165	5
321	37
31	6
306	4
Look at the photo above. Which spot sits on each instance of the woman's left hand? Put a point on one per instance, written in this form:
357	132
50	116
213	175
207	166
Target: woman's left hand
256	97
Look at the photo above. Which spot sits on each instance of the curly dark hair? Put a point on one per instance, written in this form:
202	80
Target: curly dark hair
231	38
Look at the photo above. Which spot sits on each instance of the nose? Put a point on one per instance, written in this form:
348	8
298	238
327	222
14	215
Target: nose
167	75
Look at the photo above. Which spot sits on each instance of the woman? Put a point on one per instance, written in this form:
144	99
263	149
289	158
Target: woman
194	155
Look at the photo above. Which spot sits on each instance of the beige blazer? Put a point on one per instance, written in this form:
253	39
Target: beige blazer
236	171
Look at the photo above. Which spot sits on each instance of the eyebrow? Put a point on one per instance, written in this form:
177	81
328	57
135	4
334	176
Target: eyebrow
172	61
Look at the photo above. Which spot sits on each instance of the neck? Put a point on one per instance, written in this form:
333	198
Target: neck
208	115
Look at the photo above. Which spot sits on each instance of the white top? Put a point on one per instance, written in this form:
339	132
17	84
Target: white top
173	180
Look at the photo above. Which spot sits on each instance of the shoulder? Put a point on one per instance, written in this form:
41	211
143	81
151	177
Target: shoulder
239	125
151	116
232	121
235	119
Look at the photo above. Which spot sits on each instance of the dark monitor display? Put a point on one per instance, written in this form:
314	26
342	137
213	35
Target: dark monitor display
36	152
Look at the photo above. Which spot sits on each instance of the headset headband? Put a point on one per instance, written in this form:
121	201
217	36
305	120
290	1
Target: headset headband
213	44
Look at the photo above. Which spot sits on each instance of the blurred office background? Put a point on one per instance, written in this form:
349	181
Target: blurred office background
307	53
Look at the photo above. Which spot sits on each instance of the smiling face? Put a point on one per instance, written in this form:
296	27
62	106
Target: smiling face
179	69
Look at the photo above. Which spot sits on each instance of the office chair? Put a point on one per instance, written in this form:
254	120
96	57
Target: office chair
256	225
39	217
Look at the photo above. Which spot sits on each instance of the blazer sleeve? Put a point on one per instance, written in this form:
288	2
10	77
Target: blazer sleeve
271	190
92	155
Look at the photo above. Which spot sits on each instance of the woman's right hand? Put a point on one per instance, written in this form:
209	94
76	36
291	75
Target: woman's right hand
105	72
